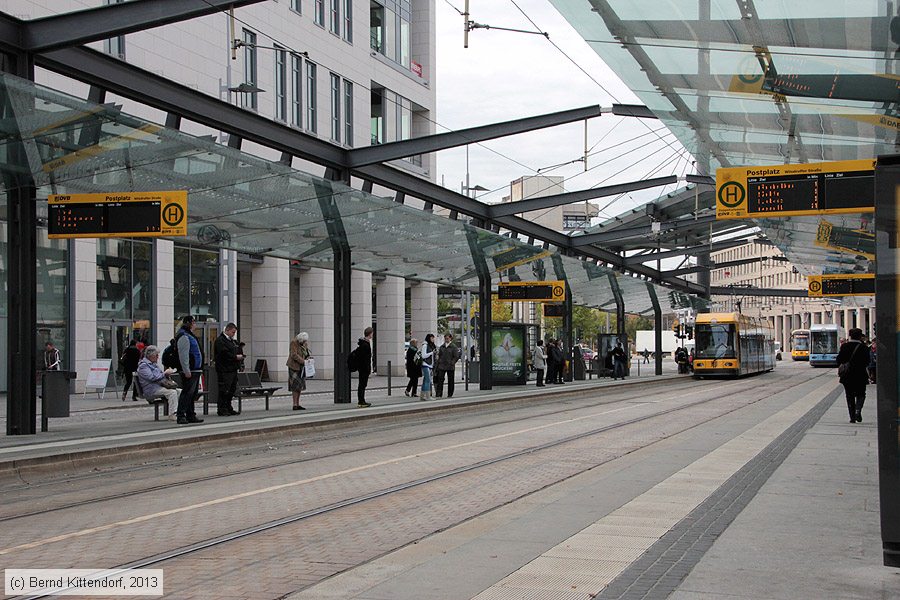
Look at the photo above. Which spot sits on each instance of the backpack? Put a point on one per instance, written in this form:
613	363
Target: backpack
170	358
353	361
417	359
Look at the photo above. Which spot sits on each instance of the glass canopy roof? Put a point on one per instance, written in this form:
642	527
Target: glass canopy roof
763	82
242	202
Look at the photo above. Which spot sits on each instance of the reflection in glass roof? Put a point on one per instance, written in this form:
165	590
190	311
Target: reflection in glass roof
240	202
784	83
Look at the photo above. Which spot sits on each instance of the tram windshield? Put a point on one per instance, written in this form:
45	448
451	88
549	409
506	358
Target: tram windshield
714	341
824	342
801	342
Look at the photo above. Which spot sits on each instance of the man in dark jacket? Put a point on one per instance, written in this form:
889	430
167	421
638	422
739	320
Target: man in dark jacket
855	354
129	361
559	361
445	367
228	360
190	363
364	365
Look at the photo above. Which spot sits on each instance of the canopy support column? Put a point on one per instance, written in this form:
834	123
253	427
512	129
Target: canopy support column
657	329
342	271
21	399
567	332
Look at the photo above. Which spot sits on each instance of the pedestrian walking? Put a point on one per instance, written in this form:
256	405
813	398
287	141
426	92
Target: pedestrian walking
428	350
296	364
619	359
155	382
129	360
190	364
445	367
540	362
51	357
853	360
646	354
227	356
364	366
413	367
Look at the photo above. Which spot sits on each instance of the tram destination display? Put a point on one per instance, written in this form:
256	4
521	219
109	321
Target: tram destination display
841	285
792	190
117	214
532	291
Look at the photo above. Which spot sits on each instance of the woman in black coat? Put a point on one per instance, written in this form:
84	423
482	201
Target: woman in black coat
413	371
855	354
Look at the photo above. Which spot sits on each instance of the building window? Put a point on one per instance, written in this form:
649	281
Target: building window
376	113
319	17
348	113
297	6
348	20
376	27
197	283
115	46
334	16
280	84
389	29
297	89
249	99
311	97
336	108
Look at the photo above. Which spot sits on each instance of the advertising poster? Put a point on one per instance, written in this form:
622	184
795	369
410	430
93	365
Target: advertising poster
508	354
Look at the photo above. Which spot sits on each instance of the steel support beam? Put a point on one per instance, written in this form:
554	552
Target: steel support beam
691	250
522	206
782	293
625	233
632	110
110	20
381	153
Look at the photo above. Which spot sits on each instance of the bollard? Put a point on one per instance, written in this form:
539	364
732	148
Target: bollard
639	367
389	378
466	374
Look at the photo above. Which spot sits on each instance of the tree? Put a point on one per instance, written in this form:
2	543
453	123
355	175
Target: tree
501	312
633	323
587	323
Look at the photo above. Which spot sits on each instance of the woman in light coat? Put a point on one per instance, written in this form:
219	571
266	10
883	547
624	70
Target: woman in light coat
428	350
539	362
296	364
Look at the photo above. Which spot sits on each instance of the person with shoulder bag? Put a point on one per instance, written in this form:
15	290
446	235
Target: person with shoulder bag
296	364
853	361
413	367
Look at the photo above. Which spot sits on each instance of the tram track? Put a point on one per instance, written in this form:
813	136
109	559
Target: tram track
688	383
759	393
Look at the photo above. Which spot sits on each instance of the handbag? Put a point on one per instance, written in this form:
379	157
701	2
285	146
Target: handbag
310	367
169	384
844	368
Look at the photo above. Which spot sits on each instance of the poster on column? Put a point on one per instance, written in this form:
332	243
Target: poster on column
508	354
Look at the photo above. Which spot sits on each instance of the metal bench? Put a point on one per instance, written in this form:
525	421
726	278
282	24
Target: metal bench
249	384
154	401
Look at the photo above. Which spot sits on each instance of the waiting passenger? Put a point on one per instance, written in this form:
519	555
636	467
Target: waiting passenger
413	368
429	348
296	364
190	360
854	376
619	359
154	382
129	361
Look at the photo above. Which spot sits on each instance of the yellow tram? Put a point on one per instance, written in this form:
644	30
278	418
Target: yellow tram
732	345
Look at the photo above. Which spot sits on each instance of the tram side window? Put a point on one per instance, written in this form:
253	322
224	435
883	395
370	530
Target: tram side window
714	341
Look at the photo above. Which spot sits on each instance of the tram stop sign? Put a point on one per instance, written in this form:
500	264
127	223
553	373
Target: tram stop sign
118	214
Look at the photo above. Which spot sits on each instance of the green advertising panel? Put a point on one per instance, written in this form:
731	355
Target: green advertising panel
508	354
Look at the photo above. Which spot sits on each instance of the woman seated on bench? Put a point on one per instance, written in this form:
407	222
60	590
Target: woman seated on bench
152	378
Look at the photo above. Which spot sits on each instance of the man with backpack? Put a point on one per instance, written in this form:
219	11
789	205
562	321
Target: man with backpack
360	360
190	364
445	368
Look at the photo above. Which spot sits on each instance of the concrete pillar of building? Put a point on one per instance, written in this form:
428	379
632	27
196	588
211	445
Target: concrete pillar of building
229	311
245	315
871	321
83	311
423	297
817	318
779	331
390	311
164	303
848	318
316	317
272	315
360	303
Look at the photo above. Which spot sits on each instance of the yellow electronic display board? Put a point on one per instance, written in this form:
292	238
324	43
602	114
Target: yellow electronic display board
790	190
862	284
532	291
117	214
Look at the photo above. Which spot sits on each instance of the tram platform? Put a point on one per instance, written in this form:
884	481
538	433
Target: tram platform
104	428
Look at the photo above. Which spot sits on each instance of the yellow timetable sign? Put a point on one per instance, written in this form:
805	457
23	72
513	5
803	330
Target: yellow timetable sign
861	284
118	214
532	291
790	190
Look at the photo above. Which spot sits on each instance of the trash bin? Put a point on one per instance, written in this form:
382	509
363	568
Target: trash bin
474	373
55	399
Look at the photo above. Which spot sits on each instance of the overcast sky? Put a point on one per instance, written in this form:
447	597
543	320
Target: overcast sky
504	75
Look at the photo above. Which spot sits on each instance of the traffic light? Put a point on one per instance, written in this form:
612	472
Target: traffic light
690	332
676	328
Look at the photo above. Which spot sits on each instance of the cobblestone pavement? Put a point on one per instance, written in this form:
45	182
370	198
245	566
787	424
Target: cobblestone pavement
249	486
